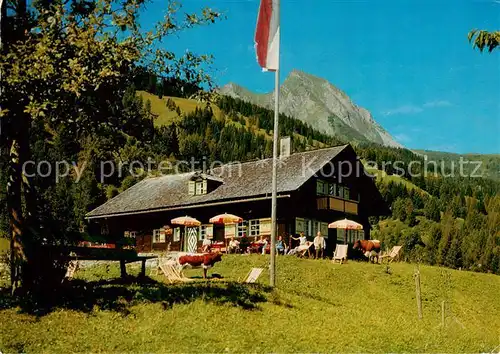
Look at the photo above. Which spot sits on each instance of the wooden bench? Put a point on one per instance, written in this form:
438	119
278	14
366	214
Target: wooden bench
124	256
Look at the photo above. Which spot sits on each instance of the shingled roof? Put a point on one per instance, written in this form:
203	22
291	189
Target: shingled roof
240	181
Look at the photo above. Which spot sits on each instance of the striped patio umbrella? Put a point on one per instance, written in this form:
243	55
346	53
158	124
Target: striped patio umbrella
185	221
226	219
345	224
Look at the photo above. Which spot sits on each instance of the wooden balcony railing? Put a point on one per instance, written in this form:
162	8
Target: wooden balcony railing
331	203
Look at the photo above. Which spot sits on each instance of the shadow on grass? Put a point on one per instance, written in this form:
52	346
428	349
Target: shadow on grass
315	297
119	295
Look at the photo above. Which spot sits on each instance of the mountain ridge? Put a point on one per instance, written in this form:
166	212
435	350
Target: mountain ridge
316	101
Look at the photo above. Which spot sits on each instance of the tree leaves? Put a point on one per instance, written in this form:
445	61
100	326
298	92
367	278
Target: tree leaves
482	39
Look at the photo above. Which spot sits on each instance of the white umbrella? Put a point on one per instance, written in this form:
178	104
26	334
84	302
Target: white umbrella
345	224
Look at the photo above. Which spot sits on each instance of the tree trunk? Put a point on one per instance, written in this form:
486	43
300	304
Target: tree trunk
14	206
20	214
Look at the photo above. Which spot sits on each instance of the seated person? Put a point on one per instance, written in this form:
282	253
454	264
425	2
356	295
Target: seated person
206	245
244	244
262	244
302	242
280	245
302	239
234	246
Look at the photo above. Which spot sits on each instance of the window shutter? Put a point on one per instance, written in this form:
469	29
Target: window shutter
191	187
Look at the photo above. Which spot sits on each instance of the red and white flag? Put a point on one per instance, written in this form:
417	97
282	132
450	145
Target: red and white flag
267	35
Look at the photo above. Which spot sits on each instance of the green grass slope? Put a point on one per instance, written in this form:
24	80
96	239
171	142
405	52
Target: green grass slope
318	307
165	116
386	178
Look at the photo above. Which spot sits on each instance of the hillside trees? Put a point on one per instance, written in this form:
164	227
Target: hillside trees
68	65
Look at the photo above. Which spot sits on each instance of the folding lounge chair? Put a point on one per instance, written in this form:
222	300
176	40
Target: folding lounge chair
171	271
393	254
305	249
73	266
253	275
340	254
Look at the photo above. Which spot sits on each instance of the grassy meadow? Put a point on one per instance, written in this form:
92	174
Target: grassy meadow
317	307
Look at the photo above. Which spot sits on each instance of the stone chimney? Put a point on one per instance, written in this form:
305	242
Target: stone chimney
285	146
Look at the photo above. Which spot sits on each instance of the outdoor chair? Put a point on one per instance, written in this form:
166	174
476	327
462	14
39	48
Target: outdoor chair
73	266
340	254
253	275
393	254
305	249
170	269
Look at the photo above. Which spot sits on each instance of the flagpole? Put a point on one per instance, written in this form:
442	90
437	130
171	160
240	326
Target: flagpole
272	267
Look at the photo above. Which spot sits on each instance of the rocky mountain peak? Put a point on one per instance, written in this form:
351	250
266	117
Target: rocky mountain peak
319	103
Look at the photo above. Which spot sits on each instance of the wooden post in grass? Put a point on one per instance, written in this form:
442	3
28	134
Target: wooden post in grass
123	269
443	313
418	292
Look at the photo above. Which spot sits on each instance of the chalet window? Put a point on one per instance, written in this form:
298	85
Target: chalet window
318	226
309	227
158	236
360	235
341	236
335	190
206	231
320	187
265	226
299	225
324	229
254	227
177	234
229	230
130	234
340	192
354	235
201	187
197	187
104	229
242	228
346	193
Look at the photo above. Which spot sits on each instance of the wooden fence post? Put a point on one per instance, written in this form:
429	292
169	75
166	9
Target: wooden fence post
443	316
418	292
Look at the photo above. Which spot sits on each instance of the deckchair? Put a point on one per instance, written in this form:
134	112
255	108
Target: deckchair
171	271
340	254
253	275
73	266
303	249
393	254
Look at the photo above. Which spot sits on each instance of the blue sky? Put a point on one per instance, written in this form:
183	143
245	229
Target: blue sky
408	62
